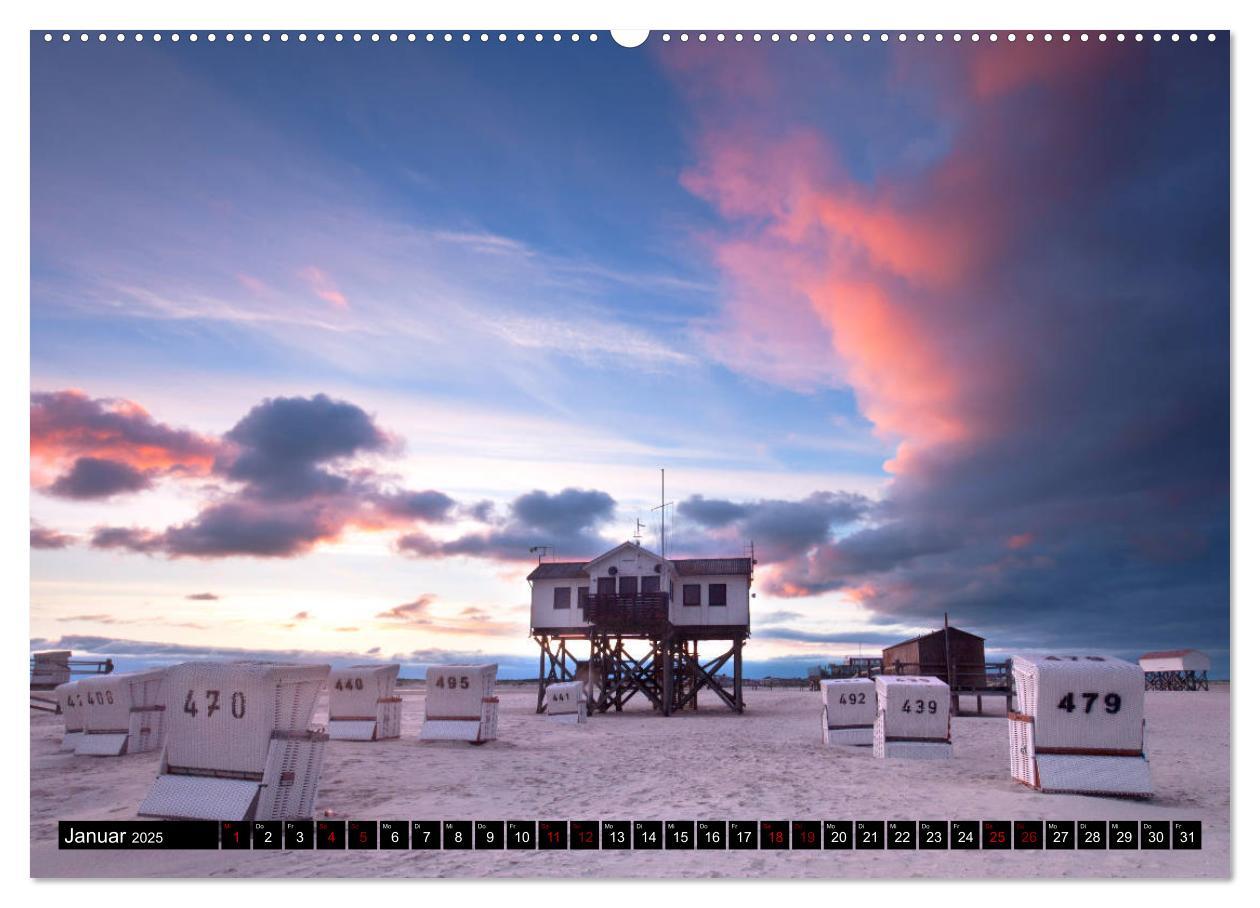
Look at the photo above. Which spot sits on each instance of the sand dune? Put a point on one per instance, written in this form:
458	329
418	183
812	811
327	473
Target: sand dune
766	764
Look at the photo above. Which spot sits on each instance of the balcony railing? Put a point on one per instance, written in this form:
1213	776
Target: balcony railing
613	611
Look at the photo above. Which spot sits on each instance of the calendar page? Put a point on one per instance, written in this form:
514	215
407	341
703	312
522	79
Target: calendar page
556	452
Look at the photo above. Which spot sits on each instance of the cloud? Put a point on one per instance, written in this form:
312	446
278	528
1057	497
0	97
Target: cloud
98	478
566	520
320	284
469	621
429	506
202	597
293	478
781	529
302	616
284	446
414	612
67	425
44	538
1049	356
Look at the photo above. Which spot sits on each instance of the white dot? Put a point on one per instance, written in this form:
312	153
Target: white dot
1176	37
739	36
665	37
1194	37
594	37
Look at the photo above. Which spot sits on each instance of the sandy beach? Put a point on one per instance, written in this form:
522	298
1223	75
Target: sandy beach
766	764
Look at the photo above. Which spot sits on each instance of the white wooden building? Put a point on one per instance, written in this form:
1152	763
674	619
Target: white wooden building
631	598
702	592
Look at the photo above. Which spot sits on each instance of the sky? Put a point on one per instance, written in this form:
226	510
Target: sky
325	337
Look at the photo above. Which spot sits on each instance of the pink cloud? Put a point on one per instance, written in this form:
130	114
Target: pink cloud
323	286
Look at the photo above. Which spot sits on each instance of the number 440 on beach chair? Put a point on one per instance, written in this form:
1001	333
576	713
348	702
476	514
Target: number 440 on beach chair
459	704
362	705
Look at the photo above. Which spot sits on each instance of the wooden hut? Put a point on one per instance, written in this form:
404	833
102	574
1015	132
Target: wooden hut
953	655
1176	669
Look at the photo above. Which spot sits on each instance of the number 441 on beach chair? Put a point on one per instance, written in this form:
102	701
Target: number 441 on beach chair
459	704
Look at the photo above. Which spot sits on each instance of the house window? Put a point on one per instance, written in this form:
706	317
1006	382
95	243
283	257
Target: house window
717	594
651	584
584	598
691	594
628	586
606	586
561	596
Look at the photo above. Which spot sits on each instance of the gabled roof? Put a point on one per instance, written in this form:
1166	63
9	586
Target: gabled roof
558	570
951	629
691	567
633	546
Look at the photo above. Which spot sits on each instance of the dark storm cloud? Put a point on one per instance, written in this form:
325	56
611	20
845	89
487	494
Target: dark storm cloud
711	512
566	520
97	477
781	529
1038	313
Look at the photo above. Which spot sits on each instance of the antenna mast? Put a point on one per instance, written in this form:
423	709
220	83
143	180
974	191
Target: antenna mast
661	507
